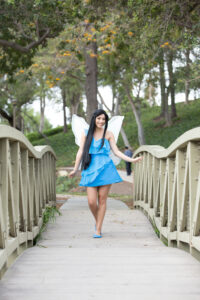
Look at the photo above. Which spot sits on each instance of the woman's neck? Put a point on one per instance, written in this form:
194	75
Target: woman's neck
98	130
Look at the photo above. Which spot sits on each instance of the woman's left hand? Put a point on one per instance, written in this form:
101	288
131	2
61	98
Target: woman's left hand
137	159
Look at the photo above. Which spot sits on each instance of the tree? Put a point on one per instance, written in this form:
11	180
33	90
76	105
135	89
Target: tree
62	71
40	74
167	27
24	26
32	121
14	94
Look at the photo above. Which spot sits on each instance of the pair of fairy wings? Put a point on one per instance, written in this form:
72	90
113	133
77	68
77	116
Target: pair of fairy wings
114	125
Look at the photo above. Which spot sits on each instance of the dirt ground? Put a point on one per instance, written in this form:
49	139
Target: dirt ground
121	188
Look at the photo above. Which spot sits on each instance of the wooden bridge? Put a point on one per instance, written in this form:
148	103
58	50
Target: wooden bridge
130	261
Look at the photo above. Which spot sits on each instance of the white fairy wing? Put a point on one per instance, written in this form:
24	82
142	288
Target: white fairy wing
78	126
114	158
114	125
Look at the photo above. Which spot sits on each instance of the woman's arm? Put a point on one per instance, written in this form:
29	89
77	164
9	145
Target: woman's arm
119	153
78	156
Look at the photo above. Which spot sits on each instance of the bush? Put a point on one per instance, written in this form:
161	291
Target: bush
53	131
34	136
64	184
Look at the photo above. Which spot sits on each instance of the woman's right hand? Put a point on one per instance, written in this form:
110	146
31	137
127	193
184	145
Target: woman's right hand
72	173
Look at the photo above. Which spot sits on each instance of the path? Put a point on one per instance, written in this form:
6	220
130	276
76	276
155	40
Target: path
128	263
125	177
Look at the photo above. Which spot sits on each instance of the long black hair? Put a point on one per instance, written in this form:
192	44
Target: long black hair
86	157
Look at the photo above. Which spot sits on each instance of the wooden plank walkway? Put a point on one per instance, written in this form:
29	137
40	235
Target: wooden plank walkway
128	263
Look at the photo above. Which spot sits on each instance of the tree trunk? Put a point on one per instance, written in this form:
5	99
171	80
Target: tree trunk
168	120
124	137
164	95
162	85
91	78
74	104
74	108
150	95
114	108
42	109
63	93
123	133
14	114
102	101
171	84
187	83
136	112
18	118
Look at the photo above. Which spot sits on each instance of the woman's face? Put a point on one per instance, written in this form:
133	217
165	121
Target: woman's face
100	121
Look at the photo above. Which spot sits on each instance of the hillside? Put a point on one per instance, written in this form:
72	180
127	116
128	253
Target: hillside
155	132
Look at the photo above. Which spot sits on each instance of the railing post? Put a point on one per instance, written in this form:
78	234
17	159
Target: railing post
25	189
167	189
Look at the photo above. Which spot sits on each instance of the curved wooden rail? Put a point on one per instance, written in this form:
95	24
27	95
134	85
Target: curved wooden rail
27	186
167	189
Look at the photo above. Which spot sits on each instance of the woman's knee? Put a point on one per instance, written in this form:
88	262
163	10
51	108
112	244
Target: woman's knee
92	196
103	194
102	199
92	202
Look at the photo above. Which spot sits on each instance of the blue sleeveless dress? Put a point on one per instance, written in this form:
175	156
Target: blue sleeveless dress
101	170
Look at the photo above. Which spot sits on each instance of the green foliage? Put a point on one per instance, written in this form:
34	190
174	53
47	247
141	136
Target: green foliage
55	130
155	132
32	122
64	146
34	136
48	215
64	184
19	90
24	26
157	232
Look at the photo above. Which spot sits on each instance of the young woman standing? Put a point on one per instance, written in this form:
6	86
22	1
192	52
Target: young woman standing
98	169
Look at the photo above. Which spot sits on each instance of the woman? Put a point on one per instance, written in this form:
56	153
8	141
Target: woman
98	169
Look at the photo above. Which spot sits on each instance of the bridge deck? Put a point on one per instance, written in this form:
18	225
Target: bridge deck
129	262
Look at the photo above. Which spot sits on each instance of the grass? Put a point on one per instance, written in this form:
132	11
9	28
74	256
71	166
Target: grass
188	117
64	146
48	215
64	184
155	133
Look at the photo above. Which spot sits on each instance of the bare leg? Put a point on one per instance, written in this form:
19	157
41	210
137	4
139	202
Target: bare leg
92	193
102	197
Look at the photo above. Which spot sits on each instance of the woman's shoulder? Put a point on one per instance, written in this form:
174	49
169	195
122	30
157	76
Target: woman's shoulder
109	134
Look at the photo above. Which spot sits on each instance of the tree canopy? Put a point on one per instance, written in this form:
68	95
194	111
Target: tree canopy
142	49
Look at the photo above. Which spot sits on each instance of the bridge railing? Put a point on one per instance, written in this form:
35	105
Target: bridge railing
27	186
167	189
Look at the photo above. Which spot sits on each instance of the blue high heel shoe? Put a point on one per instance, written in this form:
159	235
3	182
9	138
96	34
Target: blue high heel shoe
97	236
96	229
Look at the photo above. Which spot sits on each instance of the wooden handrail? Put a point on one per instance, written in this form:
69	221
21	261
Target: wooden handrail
27	186
167	189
